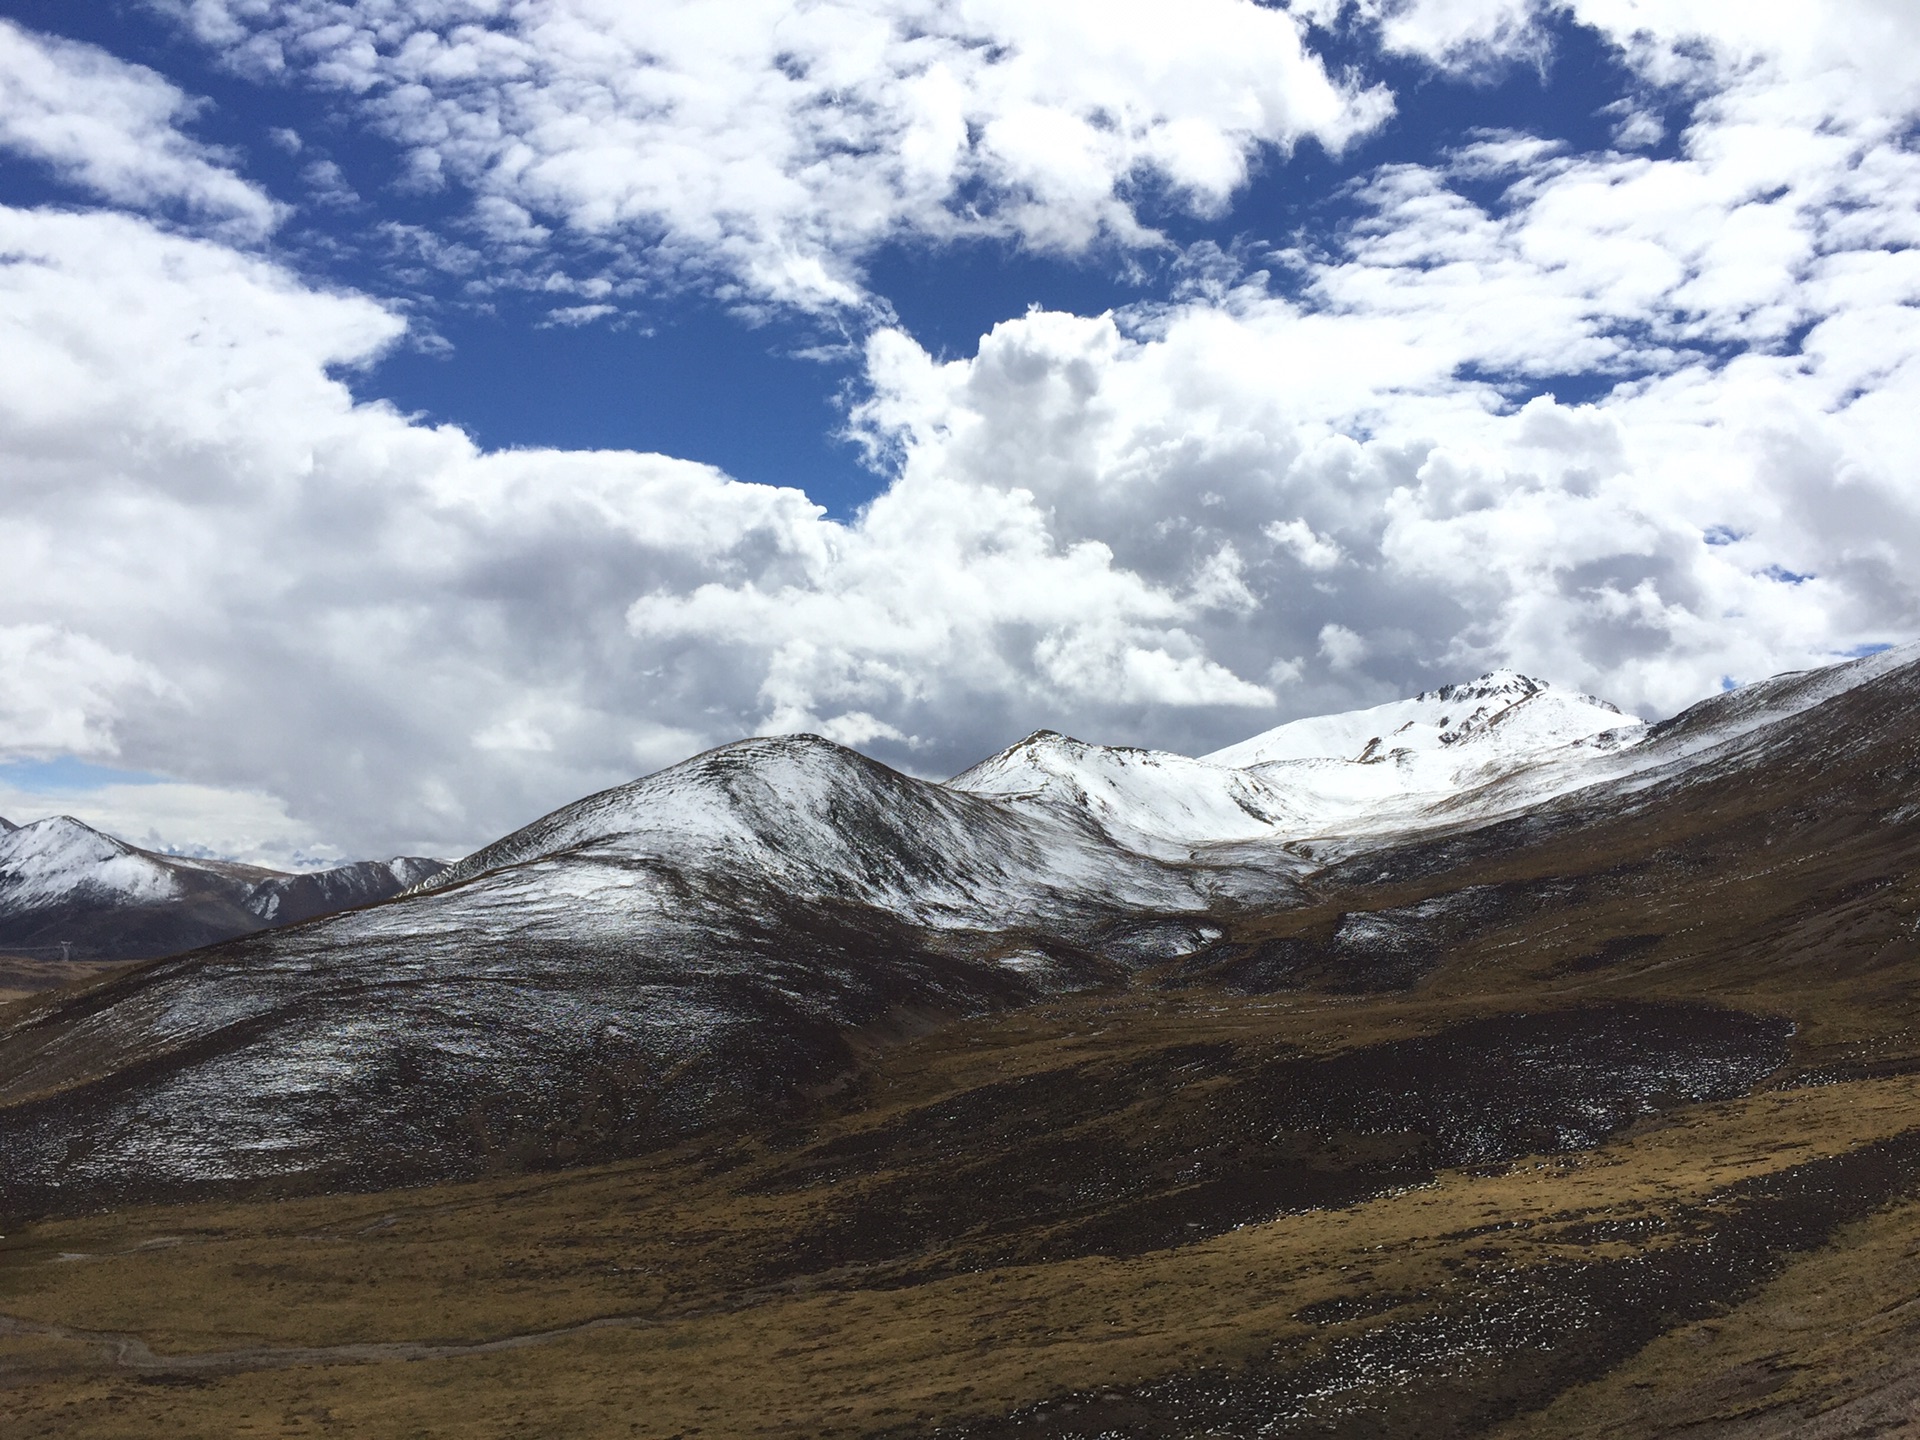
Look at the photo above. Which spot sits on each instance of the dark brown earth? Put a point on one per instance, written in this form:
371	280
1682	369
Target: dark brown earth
1603	1122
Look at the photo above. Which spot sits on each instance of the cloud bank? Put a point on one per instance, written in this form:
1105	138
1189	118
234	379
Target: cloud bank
1313	478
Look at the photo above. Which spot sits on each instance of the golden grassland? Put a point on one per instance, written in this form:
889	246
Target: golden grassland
652	1298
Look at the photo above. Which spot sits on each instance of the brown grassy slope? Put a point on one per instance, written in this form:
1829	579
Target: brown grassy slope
23	978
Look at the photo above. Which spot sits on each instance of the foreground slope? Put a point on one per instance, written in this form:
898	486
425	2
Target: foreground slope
690	950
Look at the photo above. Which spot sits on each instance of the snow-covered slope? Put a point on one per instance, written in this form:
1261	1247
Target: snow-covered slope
288	899
704	942
1146	801
65	885
1333	785
1503	716
59	859
1393	768
809	819
690	948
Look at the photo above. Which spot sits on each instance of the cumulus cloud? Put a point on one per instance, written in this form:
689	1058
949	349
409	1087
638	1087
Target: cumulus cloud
1172	525
417	644
65	691
114	129
771	152
1461	531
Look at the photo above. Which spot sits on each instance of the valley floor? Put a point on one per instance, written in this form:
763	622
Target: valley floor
1048	1223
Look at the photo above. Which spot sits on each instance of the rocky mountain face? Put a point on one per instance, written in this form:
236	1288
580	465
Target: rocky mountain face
70	891
716	945
289	899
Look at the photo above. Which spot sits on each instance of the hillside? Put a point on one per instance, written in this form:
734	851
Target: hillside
1096	1093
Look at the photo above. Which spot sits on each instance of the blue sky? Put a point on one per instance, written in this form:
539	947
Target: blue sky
439	408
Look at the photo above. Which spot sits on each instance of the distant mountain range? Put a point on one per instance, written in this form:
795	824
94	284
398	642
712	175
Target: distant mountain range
710	945
69	891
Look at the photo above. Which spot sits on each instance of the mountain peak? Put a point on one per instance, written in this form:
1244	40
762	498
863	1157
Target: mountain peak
1495	684
1501	716
59	856
64	834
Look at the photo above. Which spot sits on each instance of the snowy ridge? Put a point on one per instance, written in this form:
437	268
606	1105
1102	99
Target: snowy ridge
1054	823
1052	837
716	930
289	898
1393	768
1460	755
58	858
1502	716
1147	801
809	819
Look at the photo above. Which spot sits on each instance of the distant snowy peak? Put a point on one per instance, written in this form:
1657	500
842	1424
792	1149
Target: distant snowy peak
6	825
63	881
1502	716
1397	766
51	860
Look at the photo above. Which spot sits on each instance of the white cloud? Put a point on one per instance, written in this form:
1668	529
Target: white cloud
1316	552
1342	647
113	128
1463	36
1172	526
63	692
772	149
1855	55
415	645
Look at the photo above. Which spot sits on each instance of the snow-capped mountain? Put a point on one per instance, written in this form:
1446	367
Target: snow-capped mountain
68	888
699	946
1394	768
55	860
814	820
1502	718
